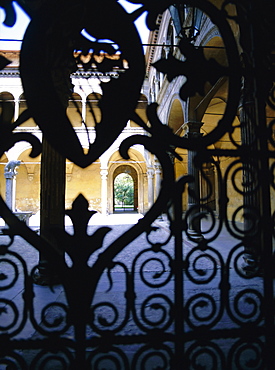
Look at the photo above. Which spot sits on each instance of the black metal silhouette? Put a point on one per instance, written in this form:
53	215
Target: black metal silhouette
182	312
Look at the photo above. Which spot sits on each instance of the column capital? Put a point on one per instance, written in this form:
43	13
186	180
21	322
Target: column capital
10	175
157	164
158	168
193	129
104	190
150	172
104	173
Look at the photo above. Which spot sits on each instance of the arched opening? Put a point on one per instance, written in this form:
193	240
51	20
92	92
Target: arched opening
74	110
125	196
6	108
93	112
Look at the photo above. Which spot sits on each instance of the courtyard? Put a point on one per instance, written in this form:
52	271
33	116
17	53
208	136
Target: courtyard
133	297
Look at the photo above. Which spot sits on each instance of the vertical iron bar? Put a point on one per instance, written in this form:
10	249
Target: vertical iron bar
266	224
256	50
80	349
179	284
260	95
266	232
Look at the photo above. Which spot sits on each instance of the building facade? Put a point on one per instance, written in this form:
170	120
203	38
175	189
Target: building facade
96	182
196	291
200	114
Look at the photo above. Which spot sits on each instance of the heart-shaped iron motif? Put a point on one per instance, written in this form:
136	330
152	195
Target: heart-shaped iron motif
46	63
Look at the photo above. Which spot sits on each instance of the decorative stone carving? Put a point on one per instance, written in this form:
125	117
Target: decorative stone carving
10	174
10	168
30	176
30	167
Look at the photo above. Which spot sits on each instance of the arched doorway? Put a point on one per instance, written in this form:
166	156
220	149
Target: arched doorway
125	189
123	193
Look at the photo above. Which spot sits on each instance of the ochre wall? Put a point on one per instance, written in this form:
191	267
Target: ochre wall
28	189
87	182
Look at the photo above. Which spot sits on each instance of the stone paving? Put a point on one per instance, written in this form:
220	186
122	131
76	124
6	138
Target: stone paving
155	271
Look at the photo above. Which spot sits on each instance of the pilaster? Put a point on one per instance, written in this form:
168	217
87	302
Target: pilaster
194	225
150	176
104	193
158	174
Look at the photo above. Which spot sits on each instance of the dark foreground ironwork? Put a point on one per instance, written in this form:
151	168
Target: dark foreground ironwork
166	306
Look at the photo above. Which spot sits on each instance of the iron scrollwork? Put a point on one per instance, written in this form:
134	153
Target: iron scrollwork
172	302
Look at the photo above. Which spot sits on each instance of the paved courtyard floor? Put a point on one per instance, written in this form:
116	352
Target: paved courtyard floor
152	283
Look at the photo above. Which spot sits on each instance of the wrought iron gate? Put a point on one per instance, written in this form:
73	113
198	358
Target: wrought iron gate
152	297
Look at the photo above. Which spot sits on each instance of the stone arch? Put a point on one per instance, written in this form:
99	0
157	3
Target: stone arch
198	104
213	113
176	123
209	109
6	108
136	164
176	117
215	49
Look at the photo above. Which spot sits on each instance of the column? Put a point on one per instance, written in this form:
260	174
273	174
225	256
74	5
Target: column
16	109
83	111
9	189
157	178
194	226
157	84
10	176
104	193
150	175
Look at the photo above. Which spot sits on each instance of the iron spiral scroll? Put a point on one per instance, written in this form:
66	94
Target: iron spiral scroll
167	297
